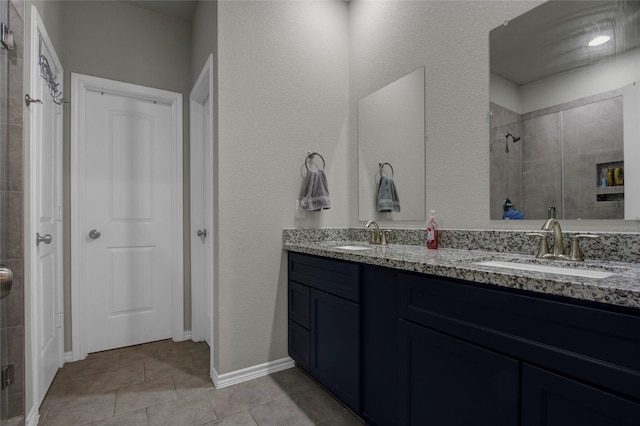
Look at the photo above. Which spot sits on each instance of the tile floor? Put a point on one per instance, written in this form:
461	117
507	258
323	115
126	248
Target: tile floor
167	383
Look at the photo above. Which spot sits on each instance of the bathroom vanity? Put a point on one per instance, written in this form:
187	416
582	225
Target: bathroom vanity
404	336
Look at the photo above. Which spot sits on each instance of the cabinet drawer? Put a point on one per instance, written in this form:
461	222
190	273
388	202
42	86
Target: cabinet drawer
333	276
299	304
299	339
594	344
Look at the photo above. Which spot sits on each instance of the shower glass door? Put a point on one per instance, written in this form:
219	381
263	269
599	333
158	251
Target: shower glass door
4	273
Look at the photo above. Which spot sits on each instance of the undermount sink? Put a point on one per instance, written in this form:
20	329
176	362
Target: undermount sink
576	272
353	248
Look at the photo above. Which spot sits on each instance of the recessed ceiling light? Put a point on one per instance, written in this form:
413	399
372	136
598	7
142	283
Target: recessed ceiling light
599	40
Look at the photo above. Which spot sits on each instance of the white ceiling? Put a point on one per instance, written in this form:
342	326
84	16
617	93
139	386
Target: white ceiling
553	38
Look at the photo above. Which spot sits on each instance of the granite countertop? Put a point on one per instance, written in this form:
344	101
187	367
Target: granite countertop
622	288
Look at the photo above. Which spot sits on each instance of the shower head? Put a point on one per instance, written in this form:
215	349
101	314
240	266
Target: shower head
513	138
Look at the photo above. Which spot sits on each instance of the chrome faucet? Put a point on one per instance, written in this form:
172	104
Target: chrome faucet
378	236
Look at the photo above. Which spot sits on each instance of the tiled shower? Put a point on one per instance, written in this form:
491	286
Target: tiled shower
559	159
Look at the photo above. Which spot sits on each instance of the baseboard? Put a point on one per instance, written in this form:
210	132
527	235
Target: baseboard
187	335
250	373
33	417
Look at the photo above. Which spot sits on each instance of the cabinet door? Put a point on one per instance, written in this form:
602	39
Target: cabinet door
447	381
335	345
379	339
550	399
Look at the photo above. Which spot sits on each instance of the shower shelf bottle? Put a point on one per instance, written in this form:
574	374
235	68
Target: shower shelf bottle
432	231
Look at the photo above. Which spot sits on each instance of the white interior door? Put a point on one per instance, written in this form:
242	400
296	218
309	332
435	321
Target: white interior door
46	213
201	229
202	207
127	198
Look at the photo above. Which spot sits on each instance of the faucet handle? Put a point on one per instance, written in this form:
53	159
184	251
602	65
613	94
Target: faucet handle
576	253
384	235
543	248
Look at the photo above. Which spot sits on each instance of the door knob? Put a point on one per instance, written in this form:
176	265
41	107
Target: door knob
202	233
40	239
6	280
94	234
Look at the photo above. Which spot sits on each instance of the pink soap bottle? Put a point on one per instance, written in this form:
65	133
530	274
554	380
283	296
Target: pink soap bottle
432	231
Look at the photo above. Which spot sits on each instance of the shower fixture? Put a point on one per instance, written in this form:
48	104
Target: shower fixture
514	139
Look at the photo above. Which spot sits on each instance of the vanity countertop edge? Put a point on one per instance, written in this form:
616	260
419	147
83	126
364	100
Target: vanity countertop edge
621	289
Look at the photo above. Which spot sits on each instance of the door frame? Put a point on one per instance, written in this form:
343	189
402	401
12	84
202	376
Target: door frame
80	84
37	29
203	92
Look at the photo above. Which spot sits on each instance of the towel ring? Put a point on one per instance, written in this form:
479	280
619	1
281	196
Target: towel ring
310	156
381	166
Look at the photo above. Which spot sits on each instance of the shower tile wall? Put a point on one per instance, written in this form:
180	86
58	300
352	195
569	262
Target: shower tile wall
542	166
591	130
11	183
592	134
506	168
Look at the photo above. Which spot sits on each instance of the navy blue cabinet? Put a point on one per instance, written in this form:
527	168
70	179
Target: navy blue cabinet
379	346
552	399
403	348
335	346
324	323
446	381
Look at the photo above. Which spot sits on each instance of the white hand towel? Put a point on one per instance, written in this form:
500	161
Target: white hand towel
315	191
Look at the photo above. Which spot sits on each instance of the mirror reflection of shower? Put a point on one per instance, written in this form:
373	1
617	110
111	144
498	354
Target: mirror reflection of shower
514	139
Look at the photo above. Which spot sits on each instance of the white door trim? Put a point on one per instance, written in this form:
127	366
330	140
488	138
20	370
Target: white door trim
37	28
203	92
80	84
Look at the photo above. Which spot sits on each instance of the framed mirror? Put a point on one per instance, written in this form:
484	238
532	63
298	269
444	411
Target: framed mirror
391	147
564	108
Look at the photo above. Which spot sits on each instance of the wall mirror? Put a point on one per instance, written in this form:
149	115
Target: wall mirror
565	112
391	145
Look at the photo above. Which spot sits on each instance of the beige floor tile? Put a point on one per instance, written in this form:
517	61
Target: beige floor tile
185	348
65	390
287	382
144	395
106	362
143	353
134	418
81	410
188	384
156	369
240	419
126	375
240	397
318	404
201	359
281	412
192	410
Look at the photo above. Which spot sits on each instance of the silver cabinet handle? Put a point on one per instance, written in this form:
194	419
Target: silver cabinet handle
94	234
40	239
202	233
6	280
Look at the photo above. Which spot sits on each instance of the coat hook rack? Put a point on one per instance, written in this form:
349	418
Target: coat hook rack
29	100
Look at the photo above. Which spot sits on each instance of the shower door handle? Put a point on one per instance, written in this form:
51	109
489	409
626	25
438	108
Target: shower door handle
6	280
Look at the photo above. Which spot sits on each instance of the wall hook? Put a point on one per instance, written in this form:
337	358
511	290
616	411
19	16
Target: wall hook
28	100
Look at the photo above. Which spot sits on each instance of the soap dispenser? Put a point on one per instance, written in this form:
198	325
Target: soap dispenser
432	231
